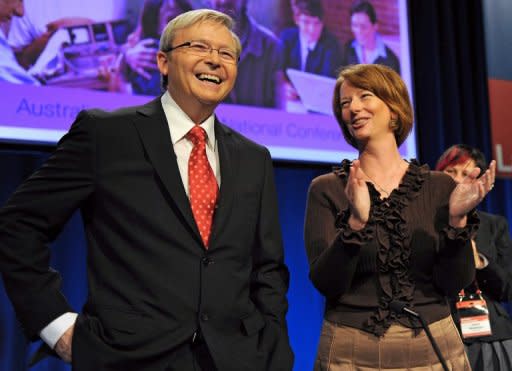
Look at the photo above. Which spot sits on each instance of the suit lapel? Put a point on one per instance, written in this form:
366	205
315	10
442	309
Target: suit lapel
484	235
228	158
296	55
154	133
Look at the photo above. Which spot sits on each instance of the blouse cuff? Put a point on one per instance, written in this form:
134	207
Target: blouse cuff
347	235
465	233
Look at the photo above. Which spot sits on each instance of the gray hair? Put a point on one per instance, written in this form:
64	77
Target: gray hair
191	18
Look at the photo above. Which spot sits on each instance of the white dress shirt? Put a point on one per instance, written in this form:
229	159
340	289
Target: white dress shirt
371	56
179	125
305	48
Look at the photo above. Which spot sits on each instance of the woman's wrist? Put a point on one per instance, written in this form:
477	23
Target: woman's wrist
355	223
458	221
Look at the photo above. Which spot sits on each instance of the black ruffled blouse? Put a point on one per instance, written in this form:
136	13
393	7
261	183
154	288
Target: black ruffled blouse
407	251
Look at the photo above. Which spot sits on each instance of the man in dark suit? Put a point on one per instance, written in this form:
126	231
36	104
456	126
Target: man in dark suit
310	46
182	274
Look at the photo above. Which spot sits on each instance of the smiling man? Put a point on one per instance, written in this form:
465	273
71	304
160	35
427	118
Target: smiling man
185	258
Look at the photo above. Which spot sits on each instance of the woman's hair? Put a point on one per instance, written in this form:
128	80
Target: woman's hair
387	85
459	154
191	18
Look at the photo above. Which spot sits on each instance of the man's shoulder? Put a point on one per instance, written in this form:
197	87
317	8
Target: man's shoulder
289	34
440	179
122	113
496	219
329	39
261	33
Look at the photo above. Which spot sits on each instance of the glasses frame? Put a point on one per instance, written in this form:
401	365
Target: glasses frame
210	49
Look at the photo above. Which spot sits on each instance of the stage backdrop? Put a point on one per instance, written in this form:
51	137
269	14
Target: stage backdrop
93	61
498	33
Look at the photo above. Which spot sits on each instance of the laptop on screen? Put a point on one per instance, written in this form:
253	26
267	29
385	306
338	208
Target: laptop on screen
315	91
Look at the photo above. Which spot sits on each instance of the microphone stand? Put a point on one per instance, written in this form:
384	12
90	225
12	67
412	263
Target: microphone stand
399	307
433	342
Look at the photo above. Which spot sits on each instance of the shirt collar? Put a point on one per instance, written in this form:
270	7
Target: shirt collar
180	124
304	45
380	48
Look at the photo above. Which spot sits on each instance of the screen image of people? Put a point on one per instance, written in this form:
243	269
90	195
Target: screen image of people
110	47
59	42
10	70
67	55
368	45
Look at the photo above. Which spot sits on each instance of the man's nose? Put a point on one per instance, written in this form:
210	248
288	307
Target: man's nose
213	56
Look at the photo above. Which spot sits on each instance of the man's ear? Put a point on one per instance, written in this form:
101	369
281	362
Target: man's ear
163	63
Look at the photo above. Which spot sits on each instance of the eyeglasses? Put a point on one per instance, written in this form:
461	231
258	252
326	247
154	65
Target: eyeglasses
202	49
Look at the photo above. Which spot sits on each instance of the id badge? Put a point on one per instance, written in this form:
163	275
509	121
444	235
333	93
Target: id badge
474	318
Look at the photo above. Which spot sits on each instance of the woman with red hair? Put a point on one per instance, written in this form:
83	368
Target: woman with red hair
386	237
492	250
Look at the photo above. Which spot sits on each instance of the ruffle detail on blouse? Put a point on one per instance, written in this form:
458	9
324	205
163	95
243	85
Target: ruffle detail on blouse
350	236
465	233
393	256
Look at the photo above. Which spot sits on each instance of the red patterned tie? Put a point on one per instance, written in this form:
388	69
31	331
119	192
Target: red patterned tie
203	189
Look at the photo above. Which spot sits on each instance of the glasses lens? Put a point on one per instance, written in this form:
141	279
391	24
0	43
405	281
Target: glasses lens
202	49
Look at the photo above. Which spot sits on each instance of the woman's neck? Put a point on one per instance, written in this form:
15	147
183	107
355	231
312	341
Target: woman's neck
383	166
380	156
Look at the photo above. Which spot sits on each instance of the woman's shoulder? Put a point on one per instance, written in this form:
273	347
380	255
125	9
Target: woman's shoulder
434	177
335	179
325	181
422	181
442	180
438	187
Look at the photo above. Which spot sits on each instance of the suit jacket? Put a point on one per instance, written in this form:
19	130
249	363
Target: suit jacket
258	79
151	281
495	280
325	59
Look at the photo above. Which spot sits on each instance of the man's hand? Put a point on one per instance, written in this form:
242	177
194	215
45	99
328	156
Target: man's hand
141	57
63	345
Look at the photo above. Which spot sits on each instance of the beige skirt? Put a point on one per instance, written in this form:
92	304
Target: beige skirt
343	348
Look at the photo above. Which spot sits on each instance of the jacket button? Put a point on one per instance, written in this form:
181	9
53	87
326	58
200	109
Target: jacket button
207	261
204	317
